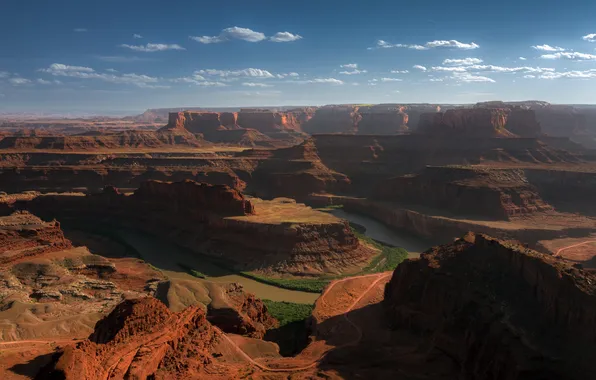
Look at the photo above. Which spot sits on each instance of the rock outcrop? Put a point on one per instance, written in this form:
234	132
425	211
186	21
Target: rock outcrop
24	235
201	122
219	221
467	192
472	122
333	119
382	120
296	172
499	310
141	339
203	197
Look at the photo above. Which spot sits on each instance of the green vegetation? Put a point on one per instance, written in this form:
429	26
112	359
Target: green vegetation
312	285
192	271
288	312
389	258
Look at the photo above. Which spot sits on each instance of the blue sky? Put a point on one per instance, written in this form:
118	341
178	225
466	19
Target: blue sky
129	55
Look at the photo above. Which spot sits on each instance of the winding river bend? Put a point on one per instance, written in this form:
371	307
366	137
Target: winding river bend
171	259
378	231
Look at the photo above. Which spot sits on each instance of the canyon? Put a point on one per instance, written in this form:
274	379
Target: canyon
128	247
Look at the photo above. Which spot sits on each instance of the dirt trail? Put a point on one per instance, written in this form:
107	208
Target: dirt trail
158	337
380	277
573	246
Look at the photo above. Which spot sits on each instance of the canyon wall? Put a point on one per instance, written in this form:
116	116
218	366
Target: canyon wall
466	192
499	309
218	221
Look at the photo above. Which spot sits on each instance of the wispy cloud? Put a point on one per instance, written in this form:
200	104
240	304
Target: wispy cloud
19	81
112	70
462	62
253	84
452	44
399	71
391	80
470	78
285	75
319	80
523	58
576	74
250	72
245	34
47	82
137	36
572	56
151	48
4	74
81	72
590	37
285	37
80	30
353	72
548	48
419	67
349	66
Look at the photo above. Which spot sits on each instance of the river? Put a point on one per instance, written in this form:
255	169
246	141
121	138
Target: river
378	231
168	257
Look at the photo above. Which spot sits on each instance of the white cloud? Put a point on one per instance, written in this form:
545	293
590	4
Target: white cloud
112	70
386	45
250	72
4	74
419	67
253	84
585	74
319	80
523	58
80	30
436	79
572	56
529	76
399	71
139	80
462	62
233	33
469	78
19	81
284	37
353	72
285	75
137	36
349	66
548	48
151	48
390	80
451	44
490	68
43	81
590	37
450	68
211	84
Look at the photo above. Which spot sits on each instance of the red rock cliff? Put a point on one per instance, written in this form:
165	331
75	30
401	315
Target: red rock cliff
382	120
471	122
193	195
500	310
267	121
201	122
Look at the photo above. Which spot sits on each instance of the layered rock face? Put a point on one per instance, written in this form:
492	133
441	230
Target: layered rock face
489	193
25	235
202	197
127	139
501	311
296	172
475	122
267	121
201	122
141	339
382	120
523	123
333	119
218	221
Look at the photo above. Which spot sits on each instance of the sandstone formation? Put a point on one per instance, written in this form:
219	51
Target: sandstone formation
476	122
333	119
23	235
219	221
296	172
490	193
382	120
142	339
498	309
